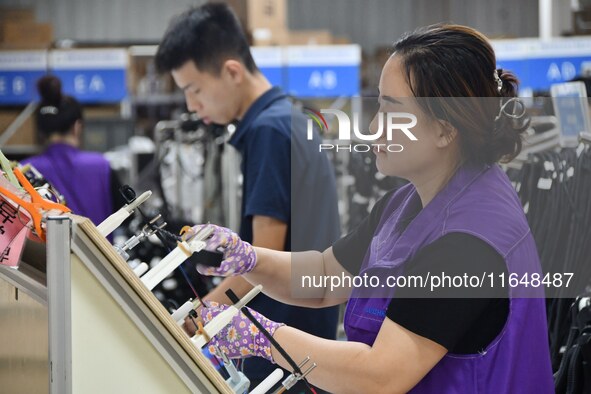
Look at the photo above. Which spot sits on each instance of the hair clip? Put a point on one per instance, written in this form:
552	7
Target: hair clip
498	79
48	109
518	112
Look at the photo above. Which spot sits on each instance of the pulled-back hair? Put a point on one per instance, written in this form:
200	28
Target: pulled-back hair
208	35
56	112
451	62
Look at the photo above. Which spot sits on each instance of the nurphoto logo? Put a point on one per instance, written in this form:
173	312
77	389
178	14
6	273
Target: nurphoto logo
354	139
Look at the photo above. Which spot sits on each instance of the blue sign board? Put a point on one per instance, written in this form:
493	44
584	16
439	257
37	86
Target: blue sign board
19	72
323	81
270	61
541	73
94	85
323	71
92	75
274	75
539	64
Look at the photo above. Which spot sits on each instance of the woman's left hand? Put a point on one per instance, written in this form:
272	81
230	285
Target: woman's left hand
239	256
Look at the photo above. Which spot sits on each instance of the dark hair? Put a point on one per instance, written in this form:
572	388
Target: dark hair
56	113
451	62
208	35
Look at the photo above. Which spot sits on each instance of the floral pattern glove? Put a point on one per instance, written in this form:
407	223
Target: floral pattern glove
239	256
241	338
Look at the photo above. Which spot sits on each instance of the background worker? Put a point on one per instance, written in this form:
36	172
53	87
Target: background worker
87	182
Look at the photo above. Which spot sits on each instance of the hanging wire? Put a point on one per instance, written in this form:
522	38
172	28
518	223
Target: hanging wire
555	190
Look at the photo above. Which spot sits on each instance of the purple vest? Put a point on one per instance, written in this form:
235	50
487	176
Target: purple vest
84	178
479	201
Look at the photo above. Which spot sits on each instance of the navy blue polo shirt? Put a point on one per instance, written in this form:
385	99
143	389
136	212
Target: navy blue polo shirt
276	160
263	140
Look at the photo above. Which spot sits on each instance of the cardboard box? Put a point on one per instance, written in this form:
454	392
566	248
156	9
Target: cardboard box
269	37
341	40
25	135
139	67
26	33
102	111
267	13
309	37
255	14
8	14
24	46
265	37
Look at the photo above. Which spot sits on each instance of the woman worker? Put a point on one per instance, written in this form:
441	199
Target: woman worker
459	214
86	180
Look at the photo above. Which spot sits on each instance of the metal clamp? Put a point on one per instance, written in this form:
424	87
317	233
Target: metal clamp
292	379
132	242
108	225
237	380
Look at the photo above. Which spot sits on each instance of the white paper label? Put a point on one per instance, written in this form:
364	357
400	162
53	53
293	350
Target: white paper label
544	183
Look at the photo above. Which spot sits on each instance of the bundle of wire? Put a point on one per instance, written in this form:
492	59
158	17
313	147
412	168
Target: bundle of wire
555	190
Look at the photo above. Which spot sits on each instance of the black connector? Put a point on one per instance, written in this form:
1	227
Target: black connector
207	258
128	193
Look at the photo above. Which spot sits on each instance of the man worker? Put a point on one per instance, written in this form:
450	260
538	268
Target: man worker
288	185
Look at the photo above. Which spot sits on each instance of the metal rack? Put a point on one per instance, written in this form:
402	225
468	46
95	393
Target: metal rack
106	332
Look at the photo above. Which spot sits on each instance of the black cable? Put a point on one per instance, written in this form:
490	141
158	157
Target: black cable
559	219
168	239
561	373
234	298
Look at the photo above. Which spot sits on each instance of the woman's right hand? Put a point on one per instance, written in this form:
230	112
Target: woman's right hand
239	256
241	338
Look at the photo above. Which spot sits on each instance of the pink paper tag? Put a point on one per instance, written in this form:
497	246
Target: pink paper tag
13	233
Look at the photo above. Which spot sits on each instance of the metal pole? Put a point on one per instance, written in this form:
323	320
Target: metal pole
545	19
59	304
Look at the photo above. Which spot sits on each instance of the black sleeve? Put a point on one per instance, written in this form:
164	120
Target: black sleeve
462	320
116	197
350	250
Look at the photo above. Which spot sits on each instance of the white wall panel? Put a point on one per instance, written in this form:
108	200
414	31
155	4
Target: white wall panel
106	20
367	22
380	22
